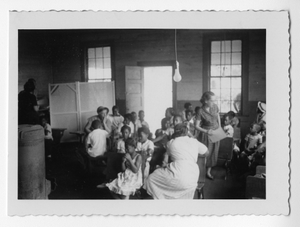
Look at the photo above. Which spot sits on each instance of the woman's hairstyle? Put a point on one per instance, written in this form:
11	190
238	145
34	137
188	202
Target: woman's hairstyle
206	96
125	127
130	142
180	130
144	129
29	86
163	123
96	124
171	110
128	116
187	105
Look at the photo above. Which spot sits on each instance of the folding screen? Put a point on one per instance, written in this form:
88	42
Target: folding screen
71	104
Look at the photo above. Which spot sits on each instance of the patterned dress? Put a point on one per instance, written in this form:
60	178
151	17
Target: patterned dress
209	120
127	182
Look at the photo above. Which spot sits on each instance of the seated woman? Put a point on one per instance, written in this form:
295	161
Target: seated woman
178	180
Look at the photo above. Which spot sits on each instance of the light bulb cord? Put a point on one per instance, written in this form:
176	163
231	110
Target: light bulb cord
176	46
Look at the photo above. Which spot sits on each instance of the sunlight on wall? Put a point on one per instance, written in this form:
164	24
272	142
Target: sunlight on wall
157	94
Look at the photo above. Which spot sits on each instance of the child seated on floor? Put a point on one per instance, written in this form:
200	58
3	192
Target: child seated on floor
130	179
125	135
96	141
145	147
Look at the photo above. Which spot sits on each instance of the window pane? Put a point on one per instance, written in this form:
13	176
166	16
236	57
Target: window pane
99	73
99	63
215	59
215	46
225	106
215	70
91	68
106	63
215	83
226	46
236	46
236	70
225	94
236	83
226	70
107	73
91	53
225	58
236	58
99	52
225	83
106	52
217	93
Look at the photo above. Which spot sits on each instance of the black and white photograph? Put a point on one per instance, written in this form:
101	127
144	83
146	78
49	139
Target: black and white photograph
148	114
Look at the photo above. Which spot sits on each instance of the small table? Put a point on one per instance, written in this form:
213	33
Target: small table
79	134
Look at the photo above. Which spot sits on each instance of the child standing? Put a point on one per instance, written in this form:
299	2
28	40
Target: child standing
190	123
127	121
163	135
125	135
141	121
146	148
96	144
130	179
227	125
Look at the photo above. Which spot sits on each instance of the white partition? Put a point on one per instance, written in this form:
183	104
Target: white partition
71	104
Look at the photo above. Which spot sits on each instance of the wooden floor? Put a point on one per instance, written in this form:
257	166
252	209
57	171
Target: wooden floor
73	183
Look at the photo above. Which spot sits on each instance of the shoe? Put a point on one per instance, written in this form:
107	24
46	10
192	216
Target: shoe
103	185
210	177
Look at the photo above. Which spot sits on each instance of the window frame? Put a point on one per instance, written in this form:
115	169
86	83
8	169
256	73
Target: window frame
84	60
222	36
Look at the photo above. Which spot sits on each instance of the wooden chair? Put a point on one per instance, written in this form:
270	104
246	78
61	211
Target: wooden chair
225	153
256	185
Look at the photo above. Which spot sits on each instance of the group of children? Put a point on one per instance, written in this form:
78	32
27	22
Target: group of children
132	138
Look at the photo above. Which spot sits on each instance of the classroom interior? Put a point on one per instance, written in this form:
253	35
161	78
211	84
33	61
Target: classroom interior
231	63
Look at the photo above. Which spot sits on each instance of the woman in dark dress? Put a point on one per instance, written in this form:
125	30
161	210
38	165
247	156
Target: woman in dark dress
208	120
27	106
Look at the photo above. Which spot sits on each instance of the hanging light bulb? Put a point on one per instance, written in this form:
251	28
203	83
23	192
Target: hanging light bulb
177	77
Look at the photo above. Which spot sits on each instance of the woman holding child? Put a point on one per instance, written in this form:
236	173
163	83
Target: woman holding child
208	120
178	179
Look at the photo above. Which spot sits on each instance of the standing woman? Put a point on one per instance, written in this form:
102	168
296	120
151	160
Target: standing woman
207	121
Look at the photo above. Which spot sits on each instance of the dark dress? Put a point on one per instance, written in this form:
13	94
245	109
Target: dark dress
26	112
209	120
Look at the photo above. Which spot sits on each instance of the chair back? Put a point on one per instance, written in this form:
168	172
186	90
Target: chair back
226	148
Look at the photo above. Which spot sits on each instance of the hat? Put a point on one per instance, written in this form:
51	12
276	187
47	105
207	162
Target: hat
100	108
261	106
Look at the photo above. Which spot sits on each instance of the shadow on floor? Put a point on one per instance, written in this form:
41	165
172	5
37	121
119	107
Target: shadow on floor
73	183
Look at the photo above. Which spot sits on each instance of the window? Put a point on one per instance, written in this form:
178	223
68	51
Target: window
225	74
99	64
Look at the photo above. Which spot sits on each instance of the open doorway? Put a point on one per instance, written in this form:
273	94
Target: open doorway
158	94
